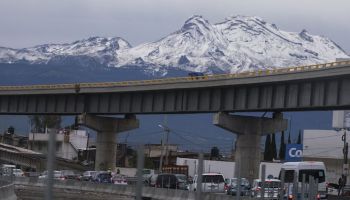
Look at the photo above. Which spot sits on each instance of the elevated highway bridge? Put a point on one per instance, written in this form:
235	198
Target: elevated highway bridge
302	88
314	87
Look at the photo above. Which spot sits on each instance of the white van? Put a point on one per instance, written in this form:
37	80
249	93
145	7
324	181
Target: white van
313	168
211	182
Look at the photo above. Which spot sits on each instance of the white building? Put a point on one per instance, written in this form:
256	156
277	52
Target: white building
68	143
327	145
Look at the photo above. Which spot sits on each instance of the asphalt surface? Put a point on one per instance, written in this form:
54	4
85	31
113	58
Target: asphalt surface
38	193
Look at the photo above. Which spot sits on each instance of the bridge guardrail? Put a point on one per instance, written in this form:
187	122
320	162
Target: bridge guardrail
78	86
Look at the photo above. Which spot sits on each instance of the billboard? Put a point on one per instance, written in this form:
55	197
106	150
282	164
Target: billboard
294	152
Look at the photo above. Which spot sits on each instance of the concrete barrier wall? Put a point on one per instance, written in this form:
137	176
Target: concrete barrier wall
125	190
7	191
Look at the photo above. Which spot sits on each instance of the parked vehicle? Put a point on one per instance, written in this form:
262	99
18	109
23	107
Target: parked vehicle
88	175
211	182
152	180
17	172
272	189
232	187
175	169
7	170
56	175
69	174
309	168
103	177
172	181
119	179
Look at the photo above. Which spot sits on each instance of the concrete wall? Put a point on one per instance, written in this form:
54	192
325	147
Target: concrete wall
125	190
7	191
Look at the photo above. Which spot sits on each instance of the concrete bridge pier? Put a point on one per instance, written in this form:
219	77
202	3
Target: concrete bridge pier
107	129
249	131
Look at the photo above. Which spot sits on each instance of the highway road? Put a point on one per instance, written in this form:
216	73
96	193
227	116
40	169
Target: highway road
37	193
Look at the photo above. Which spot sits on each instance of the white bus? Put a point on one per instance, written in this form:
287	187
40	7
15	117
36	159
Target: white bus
309	168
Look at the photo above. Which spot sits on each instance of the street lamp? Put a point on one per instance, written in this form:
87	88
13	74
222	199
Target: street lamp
166	130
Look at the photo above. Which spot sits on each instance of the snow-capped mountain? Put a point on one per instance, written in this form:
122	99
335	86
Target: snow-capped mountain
99	49
239	43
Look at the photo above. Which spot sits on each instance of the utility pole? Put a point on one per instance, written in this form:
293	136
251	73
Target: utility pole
167	130
345	152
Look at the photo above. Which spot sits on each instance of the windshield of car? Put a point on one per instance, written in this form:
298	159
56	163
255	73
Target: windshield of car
68	173
181	177
104	176
270	184
316	173
57	173
213	179
244	181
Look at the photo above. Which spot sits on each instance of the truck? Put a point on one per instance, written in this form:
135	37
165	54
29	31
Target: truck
175	169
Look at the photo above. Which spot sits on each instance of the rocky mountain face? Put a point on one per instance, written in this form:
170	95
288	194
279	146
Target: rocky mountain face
240	43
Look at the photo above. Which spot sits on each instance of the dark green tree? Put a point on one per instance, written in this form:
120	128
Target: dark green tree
40	122
214	153
299	137
289	140
11	130
282	150
267	150
273	147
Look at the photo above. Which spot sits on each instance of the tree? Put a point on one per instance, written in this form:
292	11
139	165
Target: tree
299	137
11	130
214	153
267	153
282	150
289	141
40	122
273	147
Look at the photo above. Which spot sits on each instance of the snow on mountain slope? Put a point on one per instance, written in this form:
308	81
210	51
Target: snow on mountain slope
239	43
104	50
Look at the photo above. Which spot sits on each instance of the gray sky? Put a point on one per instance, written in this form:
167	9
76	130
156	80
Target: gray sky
25	23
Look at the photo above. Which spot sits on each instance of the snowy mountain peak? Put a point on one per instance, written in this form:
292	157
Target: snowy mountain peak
196	22
239	43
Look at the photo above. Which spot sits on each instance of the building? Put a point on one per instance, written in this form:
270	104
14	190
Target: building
68	143
327	146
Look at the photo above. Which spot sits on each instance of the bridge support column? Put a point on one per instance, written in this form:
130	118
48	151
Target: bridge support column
106	143
249	131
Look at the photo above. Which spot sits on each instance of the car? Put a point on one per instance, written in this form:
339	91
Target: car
211	182
182	182
152	180
69	174
119	179
88	175
172	181
232	188
103	177
272	188
17	172
58	175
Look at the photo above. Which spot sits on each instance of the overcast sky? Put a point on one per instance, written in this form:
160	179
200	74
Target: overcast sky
25	23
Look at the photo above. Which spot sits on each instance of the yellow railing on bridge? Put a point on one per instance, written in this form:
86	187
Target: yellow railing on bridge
78	86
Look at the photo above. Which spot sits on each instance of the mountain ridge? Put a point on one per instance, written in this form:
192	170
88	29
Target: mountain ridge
239	43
